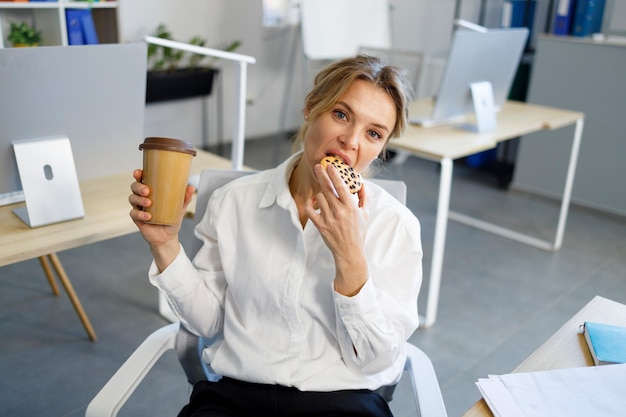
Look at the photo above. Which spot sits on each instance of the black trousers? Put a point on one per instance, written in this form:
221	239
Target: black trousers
230	397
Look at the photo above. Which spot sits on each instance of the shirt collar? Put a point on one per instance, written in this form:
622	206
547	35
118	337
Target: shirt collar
277	189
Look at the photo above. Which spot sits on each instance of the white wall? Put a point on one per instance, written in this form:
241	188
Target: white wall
418	25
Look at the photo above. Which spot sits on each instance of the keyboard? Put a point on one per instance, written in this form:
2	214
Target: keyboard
11	198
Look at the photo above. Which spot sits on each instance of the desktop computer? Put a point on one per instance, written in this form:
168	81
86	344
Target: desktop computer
475	58
94	95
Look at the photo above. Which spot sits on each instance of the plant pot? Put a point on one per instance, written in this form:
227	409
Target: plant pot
179	84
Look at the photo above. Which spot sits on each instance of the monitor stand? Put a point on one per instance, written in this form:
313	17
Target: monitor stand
484	108
49	180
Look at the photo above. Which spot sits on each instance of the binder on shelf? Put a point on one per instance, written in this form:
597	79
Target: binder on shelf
88	27
80	27
74	30
588	16
518	14
563	17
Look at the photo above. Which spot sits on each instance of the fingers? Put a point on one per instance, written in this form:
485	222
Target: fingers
138	204
138	198
138	174
140	216
362	196
189	192
323	178
332	182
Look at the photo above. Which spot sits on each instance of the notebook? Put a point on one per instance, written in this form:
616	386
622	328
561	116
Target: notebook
607	343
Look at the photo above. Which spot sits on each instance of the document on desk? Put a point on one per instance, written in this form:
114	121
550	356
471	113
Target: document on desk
596	391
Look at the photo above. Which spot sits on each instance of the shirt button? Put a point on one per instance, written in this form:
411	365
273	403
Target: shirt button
347	319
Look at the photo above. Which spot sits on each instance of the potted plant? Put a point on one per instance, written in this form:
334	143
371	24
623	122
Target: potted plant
174	74
21	34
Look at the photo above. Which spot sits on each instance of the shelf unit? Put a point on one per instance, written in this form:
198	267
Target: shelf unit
49	18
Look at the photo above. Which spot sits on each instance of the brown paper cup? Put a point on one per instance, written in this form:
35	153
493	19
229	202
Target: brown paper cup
166	168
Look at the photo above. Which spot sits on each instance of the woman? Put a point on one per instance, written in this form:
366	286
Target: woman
311	291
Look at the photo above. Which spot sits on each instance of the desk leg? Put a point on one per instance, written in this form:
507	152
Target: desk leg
436	264
43	260
524	238
569	182
65	281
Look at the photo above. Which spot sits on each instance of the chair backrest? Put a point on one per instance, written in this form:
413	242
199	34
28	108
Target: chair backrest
210	180
394	187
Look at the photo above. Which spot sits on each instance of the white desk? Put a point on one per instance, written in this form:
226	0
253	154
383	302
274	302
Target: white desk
444	144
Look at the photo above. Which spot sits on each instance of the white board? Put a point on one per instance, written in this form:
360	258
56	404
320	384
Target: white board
334	29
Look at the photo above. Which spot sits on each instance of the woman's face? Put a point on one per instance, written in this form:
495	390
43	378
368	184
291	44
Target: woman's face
355	129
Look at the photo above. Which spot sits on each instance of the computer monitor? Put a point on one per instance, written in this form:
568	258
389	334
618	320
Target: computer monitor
92	94
492	55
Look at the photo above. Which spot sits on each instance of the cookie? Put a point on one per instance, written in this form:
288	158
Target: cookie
352	178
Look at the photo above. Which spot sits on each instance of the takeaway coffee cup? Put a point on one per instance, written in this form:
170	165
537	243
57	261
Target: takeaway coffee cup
166	168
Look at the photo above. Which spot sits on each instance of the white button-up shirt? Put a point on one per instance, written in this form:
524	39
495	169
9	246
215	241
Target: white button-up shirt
264	286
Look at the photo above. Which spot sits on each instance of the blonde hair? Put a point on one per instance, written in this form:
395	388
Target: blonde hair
332	82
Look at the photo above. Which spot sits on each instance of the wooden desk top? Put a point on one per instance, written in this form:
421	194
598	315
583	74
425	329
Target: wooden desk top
567	347
514	119
105	201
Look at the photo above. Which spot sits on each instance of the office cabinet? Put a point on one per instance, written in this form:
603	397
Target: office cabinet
586	76
49	18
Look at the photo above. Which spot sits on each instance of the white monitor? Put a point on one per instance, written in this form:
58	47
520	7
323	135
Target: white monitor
492	56
92	94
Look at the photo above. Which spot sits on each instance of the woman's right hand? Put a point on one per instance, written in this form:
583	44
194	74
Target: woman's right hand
163	239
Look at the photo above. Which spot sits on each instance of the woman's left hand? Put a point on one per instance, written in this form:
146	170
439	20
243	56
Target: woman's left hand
341	220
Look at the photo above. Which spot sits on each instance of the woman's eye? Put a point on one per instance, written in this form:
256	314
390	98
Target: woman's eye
375	134
340	115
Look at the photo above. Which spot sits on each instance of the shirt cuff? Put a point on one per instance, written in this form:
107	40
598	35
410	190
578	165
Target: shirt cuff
360	305
170	280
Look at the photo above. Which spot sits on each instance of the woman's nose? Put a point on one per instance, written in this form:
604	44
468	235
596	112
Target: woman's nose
350	139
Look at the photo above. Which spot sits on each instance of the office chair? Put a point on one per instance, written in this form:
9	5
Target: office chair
116	392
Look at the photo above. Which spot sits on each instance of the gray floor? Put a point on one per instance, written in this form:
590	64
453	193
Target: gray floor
499	299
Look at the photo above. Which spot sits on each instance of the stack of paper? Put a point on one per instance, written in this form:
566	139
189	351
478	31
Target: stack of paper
596	391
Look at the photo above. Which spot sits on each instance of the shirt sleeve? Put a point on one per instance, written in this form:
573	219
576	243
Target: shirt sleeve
373	325
195	292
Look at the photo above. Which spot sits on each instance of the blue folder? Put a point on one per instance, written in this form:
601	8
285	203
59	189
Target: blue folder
521	13
520	17
80	27
74	30
588	17
89	29
563	17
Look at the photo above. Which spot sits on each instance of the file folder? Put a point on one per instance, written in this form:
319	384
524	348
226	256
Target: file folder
563	17
74	30
588	17
519	14
81	29
88	27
